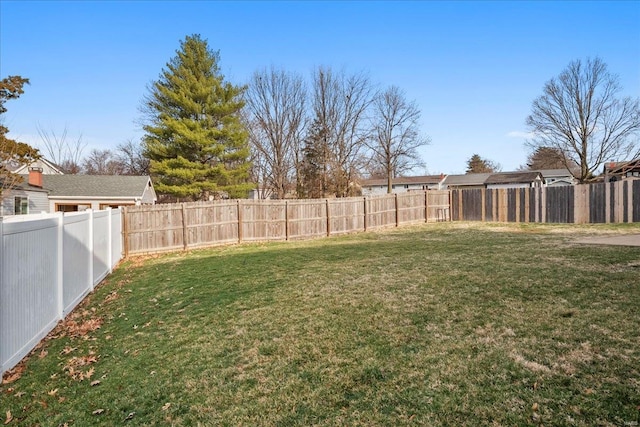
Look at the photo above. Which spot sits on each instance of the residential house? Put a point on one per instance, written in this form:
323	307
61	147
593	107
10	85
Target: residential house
525	179
47	167
466	181
25	197
68	193
616	171
557	177
375	187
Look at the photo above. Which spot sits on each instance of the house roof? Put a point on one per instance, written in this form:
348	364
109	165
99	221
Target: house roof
24	186
467	179
513	177
21	169
95	186
622	167
425	179
548	173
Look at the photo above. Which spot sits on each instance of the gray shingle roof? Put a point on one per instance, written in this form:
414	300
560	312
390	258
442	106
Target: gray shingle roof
425	179
546	173
467	179
94	186
512	177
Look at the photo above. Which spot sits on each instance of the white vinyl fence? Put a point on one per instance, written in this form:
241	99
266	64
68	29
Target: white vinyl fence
48	264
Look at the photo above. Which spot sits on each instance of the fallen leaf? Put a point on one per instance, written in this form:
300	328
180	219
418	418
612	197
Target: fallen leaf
98	412
166	406
20	394
95	383
52	392
130	416
9	418
43	354
534	407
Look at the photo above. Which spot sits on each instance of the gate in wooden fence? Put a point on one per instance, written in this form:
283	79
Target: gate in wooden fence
167	227
588	203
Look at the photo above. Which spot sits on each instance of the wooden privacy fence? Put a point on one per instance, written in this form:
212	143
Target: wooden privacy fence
176	226
589	203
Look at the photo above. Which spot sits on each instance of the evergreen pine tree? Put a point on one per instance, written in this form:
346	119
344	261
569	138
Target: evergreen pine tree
315	168
195	138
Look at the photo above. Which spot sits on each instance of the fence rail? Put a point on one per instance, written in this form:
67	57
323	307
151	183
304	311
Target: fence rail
149	229
48	264
614	202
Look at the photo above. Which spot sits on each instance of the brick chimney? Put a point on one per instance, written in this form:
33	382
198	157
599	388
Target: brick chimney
35	176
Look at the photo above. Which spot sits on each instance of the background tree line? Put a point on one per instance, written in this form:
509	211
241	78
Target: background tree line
208	138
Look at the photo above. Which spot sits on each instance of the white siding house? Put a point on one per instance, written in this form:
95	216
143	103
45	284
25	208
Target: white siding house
377	187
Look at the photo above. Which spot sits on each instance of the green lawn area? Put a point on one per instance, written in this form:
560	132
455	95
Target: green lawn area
439	324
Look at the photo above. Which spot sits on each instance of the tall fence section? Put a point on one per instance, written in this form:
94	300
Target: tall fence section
614	202
48	264
190	225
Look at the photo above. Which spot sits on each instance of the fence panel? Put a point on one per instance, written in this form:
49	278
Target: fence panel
411	207
116	237
560	204
381	211
472	205
77	256
101	245
29	295
263	220
438	205
346	215
306	218
597	203
48	263
153	228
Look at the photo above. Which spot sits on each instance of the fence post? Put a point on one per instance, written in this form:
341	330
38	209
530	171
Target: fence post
426	205
239	221
328	218
543	204
91	251
60	266
184	226
619	185
629	201
365	213
110	241
397	209
125	227
286	220
607	202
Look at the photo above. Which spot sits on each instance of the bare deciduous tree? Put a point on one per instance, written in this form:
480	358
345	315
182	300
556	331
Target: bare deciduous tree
62	151
275	107
580	115
547	158
101	162
132	159
396	134
340	103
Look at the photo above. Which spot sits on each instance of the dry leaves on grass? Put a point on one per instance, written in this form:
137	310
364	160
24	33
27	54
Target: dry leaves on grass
9	418
74	367
14	374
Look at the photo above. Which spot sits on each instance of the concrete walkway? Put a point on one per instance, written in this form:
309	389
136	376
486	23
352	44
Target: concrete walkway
628	240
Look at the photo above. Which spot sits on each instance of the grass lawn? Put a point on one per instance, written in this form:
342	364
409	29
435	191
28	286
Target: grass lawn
439	324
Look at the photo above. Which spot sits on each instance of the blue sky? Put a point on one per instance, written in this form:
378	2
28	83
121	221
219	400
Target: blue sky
473	68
